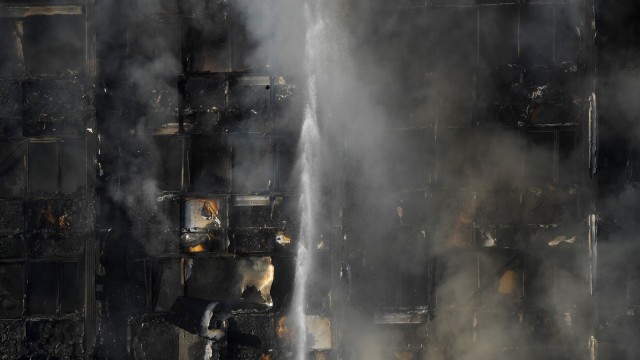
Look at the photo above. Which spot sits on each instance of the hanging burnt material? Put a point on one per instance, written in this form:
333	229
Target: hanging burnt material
198	317
203	227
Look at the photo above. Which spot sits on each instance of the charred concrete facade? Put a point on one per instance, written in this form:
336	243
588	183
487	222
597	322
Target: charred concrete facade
482	206
492	225
48	188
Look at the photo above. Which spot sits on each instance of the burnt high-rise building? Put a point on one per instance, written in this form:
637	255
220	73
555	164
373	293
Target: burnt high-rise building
279	179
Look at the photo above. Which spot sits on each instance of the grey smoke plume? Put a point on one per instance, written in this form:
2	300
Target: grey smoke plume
426	102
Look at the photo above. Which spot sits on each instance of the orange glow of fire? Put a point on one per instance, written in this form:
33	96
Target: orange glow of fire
465	217
404	355
196	249
47	213
211	205
283	330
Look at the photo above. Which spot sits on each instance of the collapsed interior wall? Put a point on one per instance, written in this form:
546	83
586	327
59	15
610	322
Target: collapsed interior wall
460	224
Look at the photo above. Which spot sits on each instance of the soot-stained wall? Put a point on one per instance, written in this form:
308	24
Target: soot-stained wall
48	202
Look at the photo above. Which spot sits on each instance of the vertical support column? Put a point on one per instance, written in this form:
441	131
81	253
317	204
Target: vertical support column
338	253
90	323
589	54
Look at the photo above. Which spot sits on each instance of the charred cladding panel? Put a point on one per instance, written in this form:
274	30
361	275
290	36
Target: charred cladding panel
46	236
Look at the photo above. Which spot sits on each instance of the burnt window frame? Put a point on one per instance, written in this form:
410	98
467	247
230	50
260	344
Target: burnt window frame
59	312
58	263
59	143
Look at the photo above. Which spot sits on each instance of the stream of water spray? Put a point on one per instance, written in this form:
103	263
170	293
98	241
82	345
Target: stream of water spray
308	165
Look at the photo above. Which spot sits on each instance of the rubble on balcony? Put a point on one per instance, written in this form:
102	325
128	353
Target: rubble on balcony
259	223
543	95
54	107
206	104
161	109
417	316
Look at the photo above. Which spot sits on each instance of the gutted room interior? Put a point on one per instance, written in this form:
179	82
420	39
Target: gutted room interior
284	179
